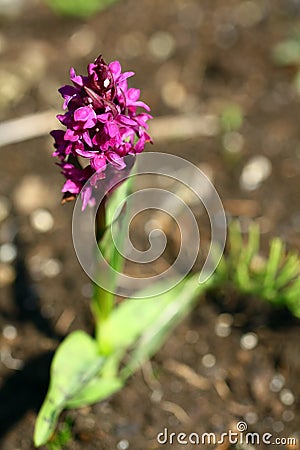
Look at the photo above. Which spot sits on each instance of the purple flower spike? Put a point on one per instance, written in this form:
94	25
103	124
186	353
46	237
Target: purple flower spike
102	125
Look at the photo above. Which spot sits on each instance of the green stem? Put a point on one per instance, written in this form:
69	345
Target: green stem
102	305
102	300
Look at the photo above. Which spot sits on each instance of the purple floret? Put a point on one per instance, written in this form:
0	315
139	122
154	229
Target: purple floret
102	125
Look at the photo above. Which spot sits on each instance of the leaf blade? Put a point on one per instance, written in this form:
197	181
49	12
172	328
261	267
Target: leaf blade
75	363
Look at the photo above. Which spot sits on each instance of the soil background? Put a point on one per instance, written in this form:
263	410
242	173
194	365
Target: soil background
191	57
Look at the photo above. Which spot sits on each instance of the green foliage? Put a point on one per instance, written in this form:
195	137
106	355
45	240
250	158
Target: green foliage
62	436
116	211
287	53
74	365
80	375
84	371
275	279
144	324
80	8
232	118
175	305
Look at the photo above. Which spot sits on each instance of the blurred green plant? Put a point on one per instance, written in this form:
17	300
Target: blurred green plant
62	436
287	54
79	8
232	118
92	375
275	279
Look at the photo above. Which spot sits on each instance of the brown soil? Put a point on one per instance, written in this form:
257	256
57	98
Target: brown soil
219	57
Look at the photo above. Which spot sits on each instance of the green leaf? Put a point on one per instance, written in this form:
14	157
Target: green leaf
98	389
242	276
287	52
252	247
81	8
274	260
74	365
277	281
142	318
232	117
235	240
101	386
289	271
172	307
132	316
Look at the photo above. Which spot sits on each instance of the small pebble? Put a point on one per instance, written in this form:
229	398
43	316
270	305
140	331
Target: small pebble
4	208
173	94
268	421
8	253
222	330
82	42
33	193
233	142
11	8
288	416
11	88
248	14
42	220
123	445
223	325
226	319
287	397
191	336
278	426
7	275
156	396
9	361
255	172
51	268
251	418
277	383
209	360
249	341
161	45
41	264
9	332
226	35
